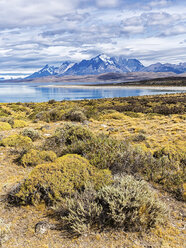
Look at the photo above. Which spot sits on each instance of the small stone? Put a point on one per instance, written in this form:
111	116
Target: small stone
103	125
41	227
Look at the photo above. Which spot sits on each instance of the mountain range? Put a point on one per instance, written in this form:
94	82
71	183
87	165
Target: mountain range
105	64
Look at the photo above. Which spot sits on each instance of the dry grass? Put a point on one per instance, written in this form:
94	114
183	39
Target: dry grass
159	131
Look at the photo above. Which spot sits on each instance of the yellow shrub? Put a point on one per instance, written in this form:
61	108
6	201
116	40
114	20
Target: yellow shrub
19	124
4	126
17	141
34	157
49	182
115	115
48	156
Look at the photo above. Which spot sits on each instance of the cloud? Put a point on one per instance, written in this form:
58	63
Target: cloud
33	13
159	3
175	30
158	18
107	3
132	29
44	31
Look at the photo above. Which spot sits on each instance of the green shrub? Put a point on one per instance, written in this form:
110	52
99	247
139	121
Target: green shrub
19	142
34	157
49	115
31	133
75	115
9	120
52	101
138	137
162	167
50	182
102	151
68	139
4	112
127	204
168	170
19	124
48	156
4	126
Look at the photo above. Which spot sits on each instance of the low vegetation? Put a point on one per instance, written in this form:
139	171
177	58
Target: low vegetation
31	133
35	157
19	124
50	182
18	142
4	126
96	166
127	203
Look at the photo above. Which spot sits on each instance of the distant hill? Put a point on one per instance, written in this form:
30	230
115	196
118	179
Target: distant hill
158	67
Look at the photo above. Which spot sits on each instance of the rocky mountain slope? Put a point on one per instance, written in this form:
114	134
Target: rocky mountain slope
105	64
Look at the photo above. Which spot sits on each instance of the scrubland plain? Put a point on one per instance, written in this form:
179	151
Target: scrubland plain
93	173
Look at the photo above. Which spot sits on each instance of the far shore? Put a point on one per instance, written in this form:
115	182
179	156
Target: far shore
117	86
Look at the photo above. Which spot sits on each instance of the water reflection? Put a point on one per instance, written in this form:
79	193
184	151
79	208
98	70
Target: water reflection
34	92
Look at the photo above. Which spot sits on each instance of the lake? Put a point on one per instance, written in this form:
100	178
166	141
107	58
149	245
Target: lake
42	92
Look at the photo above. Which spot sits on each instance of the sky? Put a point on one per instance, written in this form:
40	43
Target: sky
38	32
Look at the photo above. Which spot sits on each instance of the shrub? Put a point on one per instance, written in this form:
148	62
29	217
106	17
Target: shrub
19	142
139	137
4	112
34	157
52	101
162	167
127	204
130	204
75	115
9	120
113	115
81	212
102	151
50	115
19	124
4	126
31	133
50	182
65	139
48	156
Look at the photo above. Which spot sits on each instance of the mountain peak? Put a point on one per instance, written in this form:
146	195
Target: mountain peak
103	63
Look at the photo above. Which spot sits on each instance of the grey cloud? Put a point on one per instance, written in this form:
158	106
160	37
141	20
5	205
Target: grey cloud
182	42
174	30
154	23
44	31
157	18
165	55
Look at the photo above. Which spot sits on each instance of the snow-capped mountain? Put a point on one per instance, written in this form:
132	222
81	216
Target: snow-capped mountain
104	64
45	71
64	67
128	65
52	70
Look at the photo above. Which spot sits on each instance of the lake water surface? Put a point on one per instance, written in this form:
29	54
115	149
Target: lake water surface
41	92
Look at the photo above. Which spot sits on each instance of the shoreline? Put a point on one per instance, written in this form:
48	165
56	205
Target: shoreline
117	86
